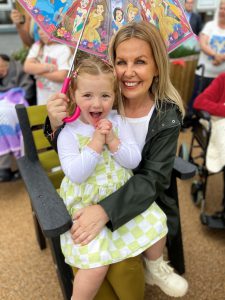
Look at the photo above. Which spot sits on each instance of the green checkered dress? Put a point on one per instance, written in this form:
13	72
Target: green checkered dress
108	247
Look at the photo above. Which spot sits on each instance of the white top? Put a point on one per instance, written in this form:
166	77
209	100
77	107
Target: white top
72	159
217	42
57	54
139	127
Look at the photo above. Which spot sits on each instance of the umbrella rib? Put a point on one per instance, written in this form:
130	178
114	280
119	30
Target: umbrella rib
78	42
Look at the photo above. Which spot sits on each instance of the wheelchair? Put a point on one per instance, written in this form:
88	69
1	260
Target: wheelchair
200	124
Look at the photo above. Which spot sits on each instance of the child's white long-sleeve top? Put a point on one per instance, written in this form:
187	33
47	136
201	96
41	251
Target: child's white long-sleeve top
78	164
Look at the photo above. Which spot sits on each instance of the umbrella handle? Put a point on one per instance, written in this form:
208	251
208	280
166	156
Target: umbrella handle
77	111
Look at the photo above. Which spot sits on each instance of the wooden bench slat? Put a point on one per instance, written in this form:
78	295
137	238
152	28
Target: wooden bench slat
40	140
37	114
49	159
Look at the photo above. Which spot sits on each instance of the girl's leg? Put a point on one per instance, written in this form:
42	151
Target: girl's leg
87	282
159	273
156	250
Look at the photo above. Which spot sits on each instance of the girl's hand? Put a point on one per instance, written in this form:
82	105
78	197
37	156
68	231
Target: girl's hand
110	138
88	222
50	67
98	141
104	125
57	109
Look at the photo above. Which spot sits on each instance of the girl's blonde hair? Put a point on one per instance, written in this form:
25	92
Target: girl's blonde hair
162	88
95	66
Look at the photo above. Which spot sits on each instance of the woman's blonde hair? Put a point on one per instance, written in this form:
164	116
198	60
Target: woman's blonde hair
95	66
162	88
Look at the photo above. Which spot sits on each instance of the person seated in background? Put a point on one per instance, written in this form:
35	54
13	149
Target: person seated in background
49	62
193	18
16	87
212	100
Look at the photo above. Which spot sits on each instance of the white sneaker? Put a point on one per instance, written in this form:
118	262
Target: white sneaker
159	273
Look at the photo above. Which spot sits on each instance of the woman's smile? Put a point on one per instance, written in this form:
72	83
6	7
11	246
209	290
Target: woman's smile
130	84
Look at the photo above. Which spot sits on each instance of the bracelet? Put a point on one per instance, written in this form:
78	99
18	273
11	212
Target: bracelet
52	134
49	68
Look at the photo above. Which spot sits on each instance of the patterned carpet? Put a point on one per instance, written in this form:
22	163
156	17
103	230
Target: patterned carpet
26	273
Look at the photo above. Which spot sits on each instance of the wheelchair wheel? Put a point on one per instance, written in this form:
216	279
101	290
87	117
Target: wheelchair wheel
184	152
197	192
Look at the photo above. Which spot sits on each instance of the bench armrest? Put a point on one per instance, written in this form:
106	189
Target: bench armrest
203	114
49	208
183	169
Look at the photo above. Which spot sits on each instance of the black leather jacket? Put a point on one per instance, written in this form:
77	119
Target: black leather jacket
152	177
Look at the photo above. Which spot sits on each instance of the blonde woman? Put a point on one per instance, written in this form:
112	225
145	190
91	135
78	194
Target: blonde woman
154	110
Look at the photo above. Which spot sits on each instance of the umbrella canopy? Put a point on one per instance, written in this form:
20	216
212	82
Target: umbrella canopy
64	20
90	24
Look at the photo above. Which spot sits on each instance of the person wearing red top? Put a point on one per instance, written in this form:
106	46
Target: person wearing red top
212	99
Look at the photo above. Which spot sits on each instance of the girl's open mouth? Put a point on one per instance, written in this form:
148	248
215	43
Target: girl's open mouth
95	115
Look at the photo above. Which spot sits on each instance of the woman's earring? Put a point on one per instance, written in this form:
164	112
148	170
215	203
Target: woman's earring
155	83
156	79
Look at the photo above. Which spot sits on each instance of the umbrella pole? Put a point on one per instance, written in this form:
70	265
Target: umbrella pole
68	78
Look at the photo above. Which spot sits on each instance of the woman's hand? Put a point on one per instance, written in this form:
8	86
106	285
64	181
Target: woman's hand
57	109
88	222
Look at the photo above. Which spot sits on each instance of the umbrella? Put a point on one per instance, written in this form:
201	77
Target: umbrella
89	24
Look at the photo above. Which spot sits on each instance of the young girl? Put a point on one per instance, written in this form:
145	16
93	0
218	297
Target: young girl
48	62
96	153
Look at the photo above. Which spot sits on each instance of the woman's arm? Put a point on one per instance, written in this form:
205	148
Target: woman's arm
151	178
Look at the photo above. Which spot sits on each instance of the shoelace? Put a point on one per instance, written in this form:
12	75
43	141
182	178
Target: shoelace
164	269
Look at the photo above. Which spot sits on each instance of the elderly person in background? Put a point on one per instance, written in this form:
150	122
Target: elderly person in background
15	87
212	100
